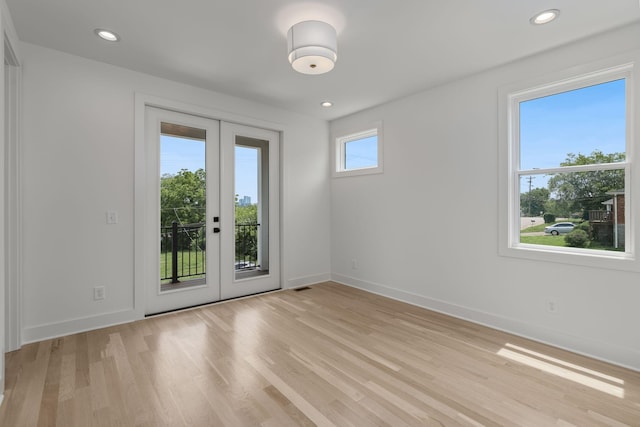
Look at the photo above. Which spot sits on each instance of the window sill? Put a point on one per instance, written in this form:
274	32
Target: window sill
358	172
574	256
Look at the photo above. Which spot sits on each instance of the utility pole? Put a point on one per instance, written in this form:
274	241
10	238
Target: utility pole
530	179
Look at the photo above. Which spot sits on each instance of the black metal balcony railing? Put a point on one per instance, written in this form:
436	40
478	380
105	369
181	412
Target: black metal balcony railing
183	249
246	246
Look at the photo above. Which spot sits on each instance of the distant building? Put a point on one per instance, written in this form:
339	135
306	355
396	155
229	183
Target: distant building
244	201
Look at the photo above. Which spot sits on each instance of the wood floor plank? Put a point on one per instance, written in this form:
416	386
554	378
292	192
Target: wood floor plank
328	356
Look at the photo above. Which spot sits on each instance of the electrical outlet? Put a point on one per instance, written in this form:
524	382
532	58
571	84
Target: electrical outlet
354	264
98	293
552	306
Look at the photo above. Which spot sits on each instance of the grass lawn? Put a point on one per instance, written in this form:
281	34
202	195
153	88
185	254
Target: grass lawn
543	240
535	228
186	265
548	240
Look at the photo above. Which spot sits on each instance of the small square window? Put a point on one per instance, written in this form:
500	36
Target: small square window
359	153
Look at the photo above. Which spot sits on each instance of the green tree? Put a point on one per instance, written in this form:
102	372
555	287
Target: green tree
559	208
183	197
246	214
183	200
532	203
584	191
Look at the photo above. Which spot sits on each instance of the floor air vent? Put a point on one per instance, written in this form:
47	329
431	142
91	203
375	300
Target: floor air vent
305	288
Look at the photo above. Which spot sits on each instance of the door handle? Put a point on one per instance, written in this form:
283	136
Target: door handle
216	229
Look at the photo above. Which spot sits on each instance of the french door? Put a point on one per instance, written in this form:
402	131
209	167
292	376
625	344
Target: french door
212	198
250	255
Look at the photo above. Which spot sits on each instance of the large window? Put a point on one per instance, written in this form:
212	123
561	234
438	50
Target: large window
569	166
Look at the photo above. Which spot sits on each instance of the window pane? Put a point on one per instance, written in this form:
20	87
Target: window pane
558	129
593	201
361	153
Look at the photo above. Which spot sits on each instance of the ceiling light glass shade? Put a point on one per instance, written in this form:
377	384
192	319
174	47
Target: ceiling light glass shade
312	47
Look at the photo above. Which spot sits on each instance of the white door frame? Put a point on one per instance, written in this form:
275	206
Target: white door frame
10	202
13	200
140	190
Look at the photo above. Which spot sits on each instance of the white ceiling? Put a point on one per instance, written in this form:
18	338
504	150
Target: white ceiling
386	48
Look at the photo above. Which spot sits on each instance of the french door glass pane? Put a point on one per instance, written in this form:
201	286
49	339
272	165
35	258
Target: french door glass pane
251	207
182	206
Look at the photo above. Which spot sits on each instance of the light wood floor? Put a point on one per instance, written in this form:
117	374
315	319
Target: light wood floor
330	355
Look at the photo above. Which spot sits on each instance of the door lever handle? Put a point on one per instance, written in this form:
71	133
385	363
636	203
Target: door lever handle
216	229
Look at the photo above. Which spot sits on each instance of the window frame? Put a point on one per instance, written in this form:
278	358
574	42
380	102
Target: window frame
340	143
509	157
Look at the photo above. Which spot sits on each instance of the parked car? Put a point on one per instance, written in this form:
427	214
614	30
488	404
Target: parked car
559	228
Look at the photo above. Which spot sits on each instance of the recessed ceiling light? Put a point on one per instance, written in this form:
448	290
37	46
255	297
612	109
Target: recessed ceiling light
545	17
327	104
107	35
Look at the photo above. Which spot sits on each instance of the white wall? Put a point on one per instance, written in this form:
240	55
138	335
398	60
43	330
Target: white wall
78	162
426	230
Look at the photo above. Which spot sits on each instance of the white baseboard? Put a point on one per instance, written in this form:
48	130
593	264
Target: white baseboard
72	326
617	355
67	327
298	282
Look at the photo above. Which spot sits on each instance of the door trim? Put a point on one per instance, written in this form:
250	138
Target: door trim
141	101
13	200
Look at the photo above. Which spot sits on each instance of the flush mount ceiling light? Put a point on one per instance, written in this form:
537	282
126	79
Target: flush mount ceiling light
327	104
312	47
545	17
107	35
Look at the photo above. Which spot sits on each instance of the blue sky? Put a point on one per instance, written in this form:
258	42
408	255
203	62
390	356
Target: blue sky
362	153
578	121
182	153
